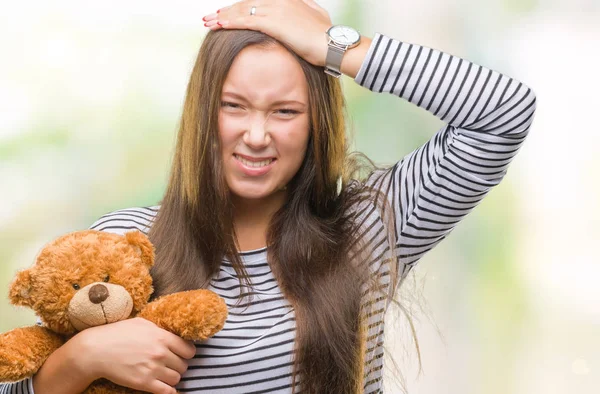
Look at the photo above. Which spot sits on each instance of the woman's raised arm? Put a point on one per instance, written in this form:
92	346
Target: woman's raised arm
488	116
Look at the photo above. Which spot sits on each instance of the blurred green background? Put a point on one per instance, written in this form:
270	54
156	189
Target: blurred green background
90	97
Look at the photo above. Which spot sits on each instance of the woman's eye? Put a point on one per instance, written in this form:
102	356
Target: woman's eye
75	286
228	104
107	278
287	112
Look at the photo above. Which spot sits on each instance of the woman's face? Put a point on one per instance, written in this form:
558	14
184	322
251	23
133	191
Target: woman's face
263	122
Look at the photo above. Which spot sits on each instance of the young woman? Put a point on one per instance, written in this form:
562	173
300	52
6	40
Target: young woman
266	207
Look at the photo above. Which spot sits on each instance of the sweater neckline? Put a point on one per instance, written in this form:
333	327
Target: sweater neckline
254	256
253	251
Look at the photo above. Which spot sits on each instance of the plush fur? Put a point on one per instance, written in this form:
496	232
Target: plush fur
88	278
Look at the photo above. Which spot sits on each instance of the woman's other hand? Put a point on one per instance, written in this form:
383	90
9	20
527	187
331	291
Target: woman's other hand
300	24
135	353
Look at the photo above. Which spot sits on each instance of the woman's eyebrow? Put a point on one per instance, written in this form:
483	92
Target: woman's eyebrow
278	102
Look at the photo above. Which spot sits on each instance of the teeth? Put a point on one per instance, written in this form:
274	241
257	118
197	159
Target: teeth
254	164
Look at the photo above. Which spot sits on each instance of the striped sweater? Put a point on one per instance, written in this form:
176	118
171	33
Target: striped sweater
487	116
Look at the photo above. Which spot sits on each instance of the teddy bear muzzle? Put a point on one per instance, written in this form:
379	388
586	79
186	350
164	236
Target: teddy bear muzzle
99	303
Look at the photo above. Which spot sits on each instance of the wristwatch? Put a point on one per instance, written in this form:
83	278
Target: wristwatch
341	38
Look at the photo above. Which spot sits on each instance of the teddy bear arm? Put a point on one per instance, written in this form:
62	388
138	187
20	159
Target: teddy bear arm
193	315
24	350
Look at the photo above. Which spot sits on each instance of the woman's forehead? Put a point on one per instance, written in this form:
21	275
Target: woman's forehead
266	75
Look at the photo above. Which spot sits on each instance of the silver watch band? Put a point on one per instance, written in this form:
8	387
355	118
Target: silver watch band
333	61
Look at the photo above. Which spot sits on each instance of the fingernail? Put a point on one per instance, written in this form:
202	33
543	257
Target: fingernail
218	11
204	19
205	25
219	23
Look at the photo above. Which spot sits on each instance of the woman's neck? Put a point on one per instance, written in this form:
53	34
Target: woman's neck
252	217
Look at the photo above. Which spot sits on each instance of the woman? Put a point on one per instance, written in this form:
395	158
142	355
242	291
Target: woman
265	207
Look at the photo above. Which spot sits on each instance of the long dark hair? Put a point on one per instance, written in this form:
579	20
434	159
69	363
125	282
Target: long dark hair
314	240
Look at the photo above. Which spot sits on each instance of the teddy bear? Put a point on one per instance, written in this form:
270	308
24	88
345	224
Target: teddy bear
88	278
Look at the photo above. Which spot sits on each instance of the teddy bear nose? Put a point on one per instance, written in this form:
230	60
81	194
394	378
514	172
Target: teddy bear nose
98	293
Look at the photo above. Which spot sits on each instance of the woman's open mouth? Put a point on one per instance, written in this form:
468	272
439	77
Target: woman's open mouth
254	167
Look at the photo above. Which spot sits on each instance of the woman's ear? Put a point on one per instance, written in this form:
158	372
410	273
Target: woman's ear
20	289
144	246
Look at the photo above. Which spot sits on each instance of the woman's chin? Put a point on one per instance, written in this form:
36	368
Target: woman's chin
252	194
256	194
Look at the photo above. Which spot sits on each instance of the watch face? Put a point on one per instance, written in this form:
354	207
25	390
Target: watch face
344	35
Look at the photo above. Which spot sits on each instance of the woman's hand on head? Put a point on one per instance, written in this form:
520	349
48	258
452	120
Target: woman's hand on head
135	353
300	24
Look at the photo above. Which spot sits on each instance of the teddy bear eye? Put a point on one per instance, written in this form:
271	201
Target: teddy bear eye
107	278
75	286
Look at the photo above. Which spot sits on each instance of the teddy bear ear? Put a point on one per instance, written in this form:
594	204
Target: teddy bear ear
20	289
146	249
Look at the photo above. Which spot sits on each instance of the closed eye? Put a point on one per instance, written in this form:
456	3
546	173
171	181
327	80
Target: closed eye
283	111
286	111
229	104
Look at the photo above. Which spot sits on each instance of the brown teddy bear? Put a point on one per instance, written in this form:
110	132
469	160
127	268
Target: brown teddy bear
88	278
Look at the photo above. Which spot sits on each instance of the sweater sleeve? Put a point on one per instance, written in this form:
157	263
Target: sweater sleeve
24	386
487	116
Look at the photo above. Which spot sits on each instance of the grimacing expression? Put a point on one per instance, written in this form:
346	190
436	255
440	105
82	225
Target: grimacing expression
263	121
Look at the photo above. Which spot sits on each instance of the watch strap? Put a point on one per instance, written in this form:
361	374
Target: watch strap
333	61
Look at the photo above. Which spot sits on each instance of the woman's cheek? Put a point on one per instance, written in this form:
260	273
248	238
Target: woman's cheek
296	129
228	128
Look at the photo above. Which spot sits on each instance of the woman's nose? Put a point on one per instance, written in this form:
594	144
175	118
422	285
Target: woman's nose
256	135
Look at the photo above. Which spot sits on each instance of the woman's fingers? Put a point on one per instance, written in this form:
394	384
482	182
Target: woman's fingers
168	376
181	347
179	351
158	387
237	15
241	8
176	364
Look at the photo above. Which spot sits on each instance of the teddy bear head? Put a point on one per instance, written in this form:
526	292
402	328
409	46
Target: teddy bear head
87	278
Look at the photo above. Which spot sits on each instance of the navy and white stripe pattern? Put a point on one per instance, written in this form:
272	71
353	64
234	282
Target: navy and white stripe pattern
253	351
23	387
487	116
